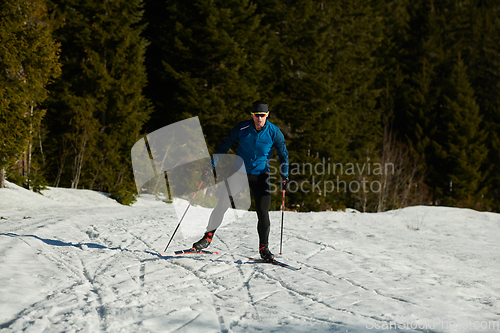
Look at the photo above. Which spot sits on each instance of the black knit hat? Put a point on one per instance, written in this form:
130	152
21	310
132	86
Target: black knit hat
259	107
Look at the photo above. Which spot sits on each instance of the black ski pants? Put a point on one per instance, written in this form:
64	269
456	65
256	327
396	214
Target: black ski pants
260	190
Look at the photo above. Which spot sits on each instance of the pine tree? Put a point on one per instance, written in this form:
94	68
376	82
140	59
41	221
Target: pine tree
420	64
471	31
460	150
28	62
323	96
436	98
207	59
301	84
356	68
390	53
462	128
97	108
421	88
482	56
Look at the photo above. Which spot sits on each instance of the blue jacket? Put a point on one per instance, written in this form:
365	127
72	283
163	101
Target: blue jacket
256	147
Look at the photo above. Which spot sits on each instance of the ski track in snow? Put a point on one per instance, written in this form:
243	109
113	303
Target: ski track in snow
97	269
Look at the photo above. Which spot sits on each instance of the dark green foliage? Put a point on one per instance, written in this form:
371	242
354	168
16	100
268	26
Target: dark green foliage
97	109
28	62
302	96
459	145
436	93
481	54
413	83
323	96
37	180
206	60
124	194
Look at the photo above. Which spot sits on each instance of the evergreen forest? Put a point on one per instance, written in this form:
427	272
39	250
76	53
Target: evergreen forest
383	104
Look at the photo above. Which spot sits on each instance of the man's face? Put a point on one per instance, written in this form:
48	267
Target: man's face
259	119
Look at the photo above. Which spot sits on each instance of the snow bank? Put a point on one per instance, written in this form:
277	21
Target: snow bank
14	197
89	264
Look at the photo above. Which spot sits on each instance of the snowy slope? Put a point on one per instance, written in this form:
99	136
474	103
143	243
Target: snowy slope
76	261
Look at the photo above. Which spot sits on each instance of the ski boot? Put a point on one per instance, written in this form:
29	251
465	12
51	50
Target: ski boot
204	242
265	254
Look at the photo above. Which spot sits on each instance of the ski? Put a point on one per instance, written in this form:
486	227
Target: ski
277	263
193	251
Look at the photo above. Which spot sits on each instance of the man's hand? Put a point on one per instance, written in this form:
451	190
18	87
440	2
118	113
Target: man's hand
284	183
206	175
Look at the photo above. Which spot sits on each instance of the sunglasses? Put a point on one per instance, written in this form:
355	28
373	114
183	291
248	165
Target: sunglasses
259	115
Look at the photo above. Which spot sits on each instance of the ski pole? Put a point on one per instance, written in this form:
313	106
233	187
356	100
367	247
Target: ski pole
178	225
282	217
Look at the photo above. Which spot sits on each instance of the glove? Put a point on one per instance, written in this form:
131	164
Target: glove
206	175
284	183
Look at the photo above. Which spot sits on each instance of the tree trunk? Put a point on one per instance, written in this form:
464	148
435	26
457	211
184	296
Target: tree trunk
387	155
41	145
78	164
62	154
77	168
30	145
2	178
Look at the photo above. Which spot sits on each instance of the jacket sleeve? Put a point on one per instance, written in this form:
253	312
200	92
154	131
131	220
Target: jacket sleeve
226	144
279	144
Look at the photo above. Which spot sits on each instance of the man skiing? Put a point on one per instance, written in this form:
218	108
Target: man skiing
256	139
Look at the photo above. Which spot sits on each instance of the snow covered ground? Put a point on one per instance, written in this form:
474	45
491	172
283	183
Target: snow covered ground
77	261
